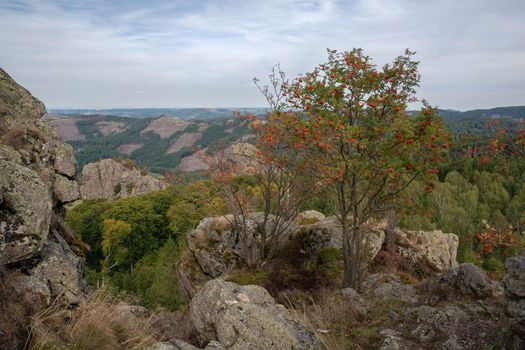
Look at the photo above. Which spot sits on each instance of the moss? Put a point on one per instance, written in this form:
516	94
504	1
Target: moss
329	261
248	277
307	221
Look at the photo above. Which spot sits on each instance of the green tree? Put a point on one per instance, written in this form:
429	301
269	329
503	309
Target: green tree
86	220
117	246
155	279
354	129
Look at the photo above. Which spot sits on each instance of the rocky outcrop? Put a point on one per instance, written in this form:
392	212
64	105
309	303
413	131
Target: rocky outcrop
16	103
40	258
514	283
246	317
215	247
433	249
111	179
465	280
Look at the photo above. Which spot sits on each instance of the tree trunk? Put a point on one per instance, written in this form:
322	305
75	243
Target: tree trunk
391	223
347	256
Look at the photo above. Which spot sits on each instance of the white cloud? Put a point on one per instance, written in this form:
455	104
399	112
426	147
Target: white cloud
99	53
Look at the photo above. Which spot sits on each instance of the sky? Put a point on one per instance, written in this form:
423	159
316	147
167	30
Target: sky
204	53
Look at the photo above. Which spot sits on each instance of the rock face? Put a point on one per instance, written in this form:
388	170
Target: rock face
435	249
16	103
215	247
514	284
110	179
40	259
246	317
465	280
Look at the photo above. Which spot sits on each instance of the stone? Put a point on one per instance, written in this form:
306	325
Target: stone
253	321
109	179
65	190
464	280
37	264
360	305
25	213
514	283
10	154
17	103
433	249
387	286
62	270
309	217
65	163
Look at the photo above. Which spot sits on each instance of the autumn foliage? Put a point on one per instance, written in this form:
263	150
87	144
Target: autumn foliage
347	121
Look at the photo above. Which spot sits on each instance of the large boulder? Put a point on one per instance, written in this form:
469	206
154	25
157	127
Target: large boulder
218	245
514	283
65	190
465	280
65	163
435	250
246	317
110	178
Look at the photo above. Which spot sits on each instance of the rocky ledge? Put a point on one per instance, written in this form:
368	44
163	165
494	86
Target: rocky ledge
110	178
40	258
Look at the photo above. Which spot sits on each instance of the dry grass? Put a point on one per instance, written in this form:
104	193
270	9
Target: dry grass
98	323
18	135
331	317
338	325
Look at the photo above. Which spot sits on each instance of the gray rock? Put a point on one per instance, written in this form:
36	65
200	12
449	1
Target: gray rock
25	213
16	103
514	283
434	249
65	163
62	270
164	346
10	154
110	179
65	190
309	217
360	305
465	280
388	286
246	317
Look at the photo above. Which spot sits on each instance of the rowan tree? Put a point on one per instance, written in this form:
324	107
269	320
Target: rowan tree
352	125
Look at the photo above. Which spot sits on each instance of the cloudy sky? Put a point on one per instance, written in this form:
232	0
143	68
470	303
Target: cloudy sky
198	53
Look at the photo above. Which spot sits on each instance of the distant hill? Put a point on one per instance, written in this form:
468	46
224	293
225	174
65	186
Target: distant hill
516	112
182	113
158	144
166	142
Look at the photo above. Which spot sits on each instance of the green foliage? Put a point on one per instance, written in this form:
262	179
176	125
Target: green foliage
135	241
86	220
155	278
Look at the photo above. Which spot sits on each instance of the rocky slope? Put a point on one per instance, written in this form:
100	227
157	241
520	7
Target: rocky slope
40	258
111	179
